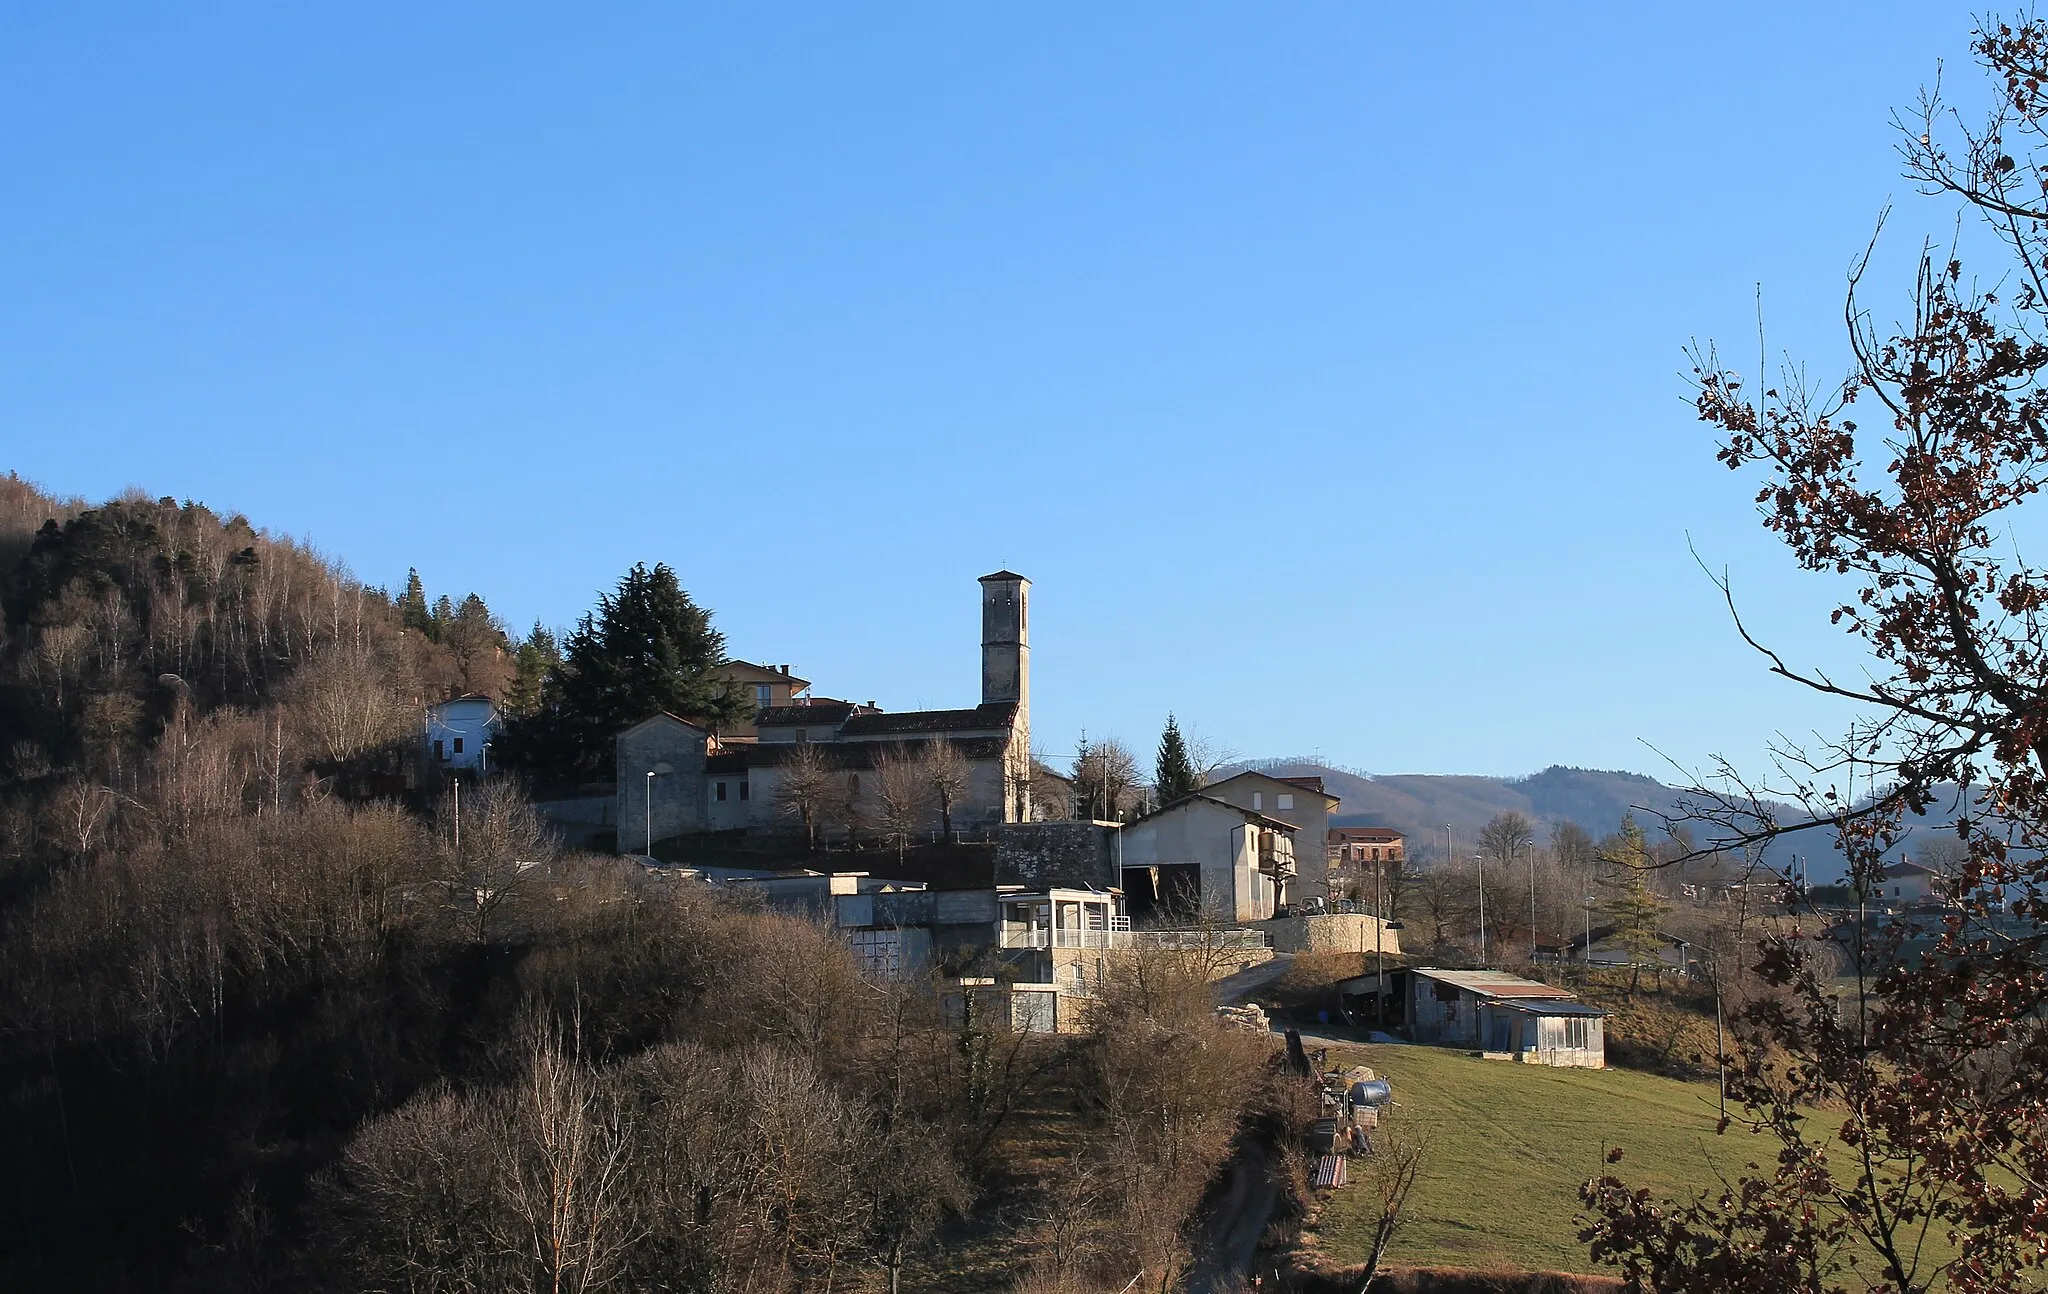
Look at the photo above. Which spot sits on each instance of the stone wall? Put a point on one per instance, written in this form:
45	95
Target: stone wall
1042	854
1335	932
678	807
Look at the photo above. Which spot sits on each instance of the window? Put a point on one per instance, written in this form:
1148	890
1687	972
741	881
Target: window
764	695
437	749
1286	801
458	745
721	793
1258	801
743	791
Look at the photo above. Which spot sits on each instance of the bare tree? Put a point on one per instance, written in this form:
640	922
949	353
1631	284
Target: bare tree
902	796
490	844
945	773
1106	780
1386	1178
805	782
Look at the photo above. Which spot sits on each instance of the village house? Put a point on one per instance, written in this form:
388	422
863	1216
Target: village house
457	731
1360	847
677	779
1204	857
1299	800
769	687
1908	882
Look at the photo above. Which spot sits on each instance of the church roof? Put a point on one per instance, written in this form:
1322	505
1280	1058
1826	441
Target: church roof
1001	575
995	714
820	712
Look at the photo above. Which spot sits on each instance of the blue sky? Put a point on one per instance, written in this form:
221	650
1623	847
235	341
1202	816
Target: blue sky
1321	363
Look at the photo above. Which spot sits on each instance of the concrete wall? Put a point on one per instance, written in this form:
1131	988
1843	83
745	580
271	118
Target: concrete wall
1043	854
1333	932
579	819
678	794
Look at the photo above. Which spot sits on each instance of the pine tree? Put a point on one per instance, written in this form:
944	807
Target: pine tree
1636	911
648	649
412	607
1174	772
532	661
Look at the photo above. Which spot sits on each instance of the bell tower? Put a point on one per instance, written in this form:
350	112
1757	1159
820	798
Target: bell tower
1006	640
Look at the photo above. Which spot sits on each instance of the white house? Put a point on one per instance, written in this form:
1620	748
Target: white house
458	730
1908	882
1201	855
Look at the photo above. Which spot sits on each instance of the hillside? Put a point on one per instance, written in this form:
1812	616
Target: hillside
1420	804
1510	1146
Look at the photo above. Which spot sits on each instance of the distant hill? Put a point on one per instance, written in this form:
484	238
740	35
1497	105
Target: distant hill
1420	804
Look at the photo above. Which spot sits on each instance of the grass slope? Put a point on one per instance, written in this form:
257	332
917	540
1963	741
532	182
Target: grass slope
1512	1143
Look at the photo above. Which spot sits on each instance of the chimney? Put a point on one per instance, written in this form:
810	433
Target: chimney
785	669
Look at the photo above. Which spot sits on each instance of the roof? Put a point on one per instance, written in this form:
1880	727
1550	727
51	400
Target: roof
1366	833
1602	933
848	755
1549	1006
1291	783
672	718
1497	984
1004	574
1188	801
872	723
818	712
1907	867
766	673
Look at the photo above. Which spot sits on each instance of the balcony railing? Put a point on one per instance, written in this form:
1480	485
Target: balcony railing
1042	938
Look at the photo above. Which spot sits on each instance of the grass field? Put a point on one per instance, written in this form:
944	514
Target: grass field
1511	1145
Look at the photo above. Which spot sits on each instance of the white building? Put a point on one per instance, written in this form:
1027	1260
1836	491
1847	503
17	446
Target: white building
457	732
1201	856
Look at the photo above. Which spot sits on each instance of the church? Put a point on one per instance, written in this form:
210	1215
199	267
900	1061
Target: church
678	779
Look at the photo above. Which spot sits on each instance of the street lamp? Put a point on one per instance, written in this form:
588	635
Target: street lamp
1586	953
659	770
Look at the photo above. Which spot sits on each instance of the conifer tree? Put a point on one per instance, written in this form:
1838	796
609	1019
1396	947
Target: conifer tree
412	607
648	649
1174	772
1635	910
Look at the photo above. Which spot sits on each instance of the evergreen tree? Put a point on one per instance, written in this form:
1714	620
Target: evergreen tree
532	661
1635	910
1174	772
647	649
412	608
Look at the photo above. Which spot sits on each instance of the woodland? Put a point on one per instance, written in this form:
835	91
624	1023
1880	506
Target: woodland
269	1021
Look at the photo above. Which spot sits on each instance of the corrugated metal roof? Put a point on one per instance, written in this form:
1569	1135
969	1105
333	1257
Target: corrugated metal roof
1495	983
1532	1006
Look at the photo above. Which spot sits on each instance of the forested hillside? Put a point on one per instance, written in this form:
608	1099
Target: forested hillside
278	1011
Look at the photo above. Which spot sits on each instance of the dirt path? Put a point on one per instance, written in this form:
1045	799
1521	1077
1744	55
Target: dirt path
1235	1222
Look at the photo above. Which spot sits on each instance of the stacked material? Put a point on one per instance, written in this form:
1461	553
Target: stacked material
1250	1016
1359	1074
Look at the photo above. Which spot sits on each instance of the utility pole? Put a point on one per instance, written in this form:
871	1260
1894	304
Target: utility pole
1531	847
458	818
650	813
1481	860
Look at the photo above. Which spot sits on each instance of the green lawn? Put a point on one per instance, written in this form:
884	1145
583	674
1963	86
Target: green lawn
1512	1143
